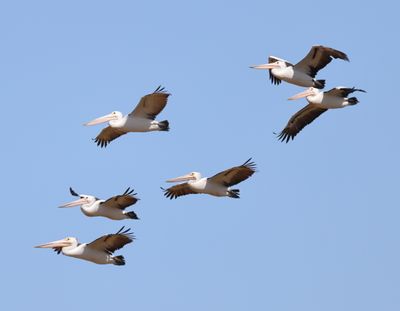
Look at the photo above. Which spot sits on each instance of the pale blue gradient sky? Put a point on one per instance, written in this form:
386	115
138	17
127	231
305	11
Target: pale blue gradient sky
317	228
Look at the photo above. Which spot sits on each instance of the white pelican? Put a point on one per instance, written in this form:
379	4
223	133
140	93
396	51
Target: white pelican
113	208
99	251
141	119
219	185
318	103
304	72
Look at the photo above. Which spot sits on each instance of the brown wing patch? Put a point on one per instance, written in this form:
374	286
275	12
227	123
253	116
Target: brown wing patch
235	175
318	57
107	135
299	120
122	201
112	242
343	91
178	190
151	105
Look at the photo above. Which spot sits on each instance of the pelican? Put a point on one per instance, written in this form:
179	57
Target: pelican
304	72
318	103
99	251
219	185
113	208
141	119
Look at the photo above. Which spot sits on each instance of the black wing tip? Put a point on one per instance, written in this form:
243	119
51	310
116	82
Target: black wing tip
358	90
73	192
161	90
284	136
334	53
130	192
250	165
120	230
351	89
126	232
168	194
342	56
274	80
101	143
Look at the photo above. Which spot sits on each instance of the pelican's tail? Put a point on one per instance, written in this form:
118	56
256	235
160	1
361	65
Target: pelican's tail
234	193
119	260
131	215
163	125
319	84
352	101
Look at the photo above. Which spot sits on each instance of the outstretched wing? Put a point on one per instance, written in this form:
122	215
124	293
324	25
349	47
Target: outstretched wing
112	242
121	201
151	105
299	120
318	57
107	135
343	91
235	174
178	190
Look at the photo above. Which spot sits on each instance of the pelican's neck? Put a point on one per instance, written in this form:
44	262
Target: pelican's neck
283	72
316	98
89	208
67	249
120	122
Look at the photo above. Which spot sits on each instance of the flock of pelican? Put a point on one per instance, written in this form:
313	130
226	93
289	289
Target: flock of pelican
142	119
303	74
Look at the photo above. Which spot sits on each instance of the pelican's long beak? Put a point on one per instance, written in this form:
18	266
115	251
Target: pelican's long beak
186	177
265	66
75	203
102	119
301	94
59	243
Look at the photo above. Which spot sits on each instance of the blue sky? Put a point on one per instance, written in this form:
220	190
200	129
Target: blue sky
315	229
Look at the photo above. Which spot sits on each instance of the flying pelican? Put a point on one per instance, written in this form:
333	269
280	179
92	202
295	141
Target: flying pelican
218	185
99	251
304	72
141	119
318	103
112	208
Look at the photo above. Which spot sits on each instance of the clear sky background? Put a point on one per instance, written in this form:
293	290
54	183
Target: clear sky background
316	228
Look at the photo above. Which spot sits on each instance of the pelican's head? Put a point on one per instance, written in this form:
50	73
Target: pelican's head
188	177
113	116
60	244
274	63
84	199
311	91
